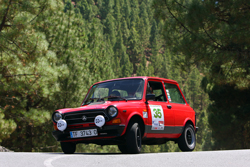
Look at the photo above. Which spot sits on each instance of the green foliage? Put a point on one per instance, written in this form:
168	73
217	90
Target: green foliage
29	71
6	126
229	114
51	51
213	36
110	28
150	149
92	148
204	137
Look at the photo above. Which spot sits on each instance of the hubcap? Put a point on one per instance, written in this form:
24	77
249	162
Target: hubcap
190	138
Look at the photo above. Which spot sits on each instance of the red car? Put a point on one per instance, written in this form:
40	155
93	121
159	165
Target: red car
128	112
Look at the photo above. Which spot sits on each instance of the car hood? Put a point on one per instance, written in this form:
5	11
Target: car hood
92	106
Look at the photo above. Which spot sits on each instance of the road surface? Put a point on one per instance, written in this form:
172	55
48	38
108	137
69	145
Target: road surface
237	158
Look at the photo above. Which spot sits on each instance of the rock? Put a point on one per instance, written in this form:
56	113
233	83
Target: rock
3	149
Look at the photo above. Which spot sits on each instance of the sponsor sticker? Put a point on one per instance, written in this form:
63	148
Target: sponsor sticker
161	123
169	98
155	123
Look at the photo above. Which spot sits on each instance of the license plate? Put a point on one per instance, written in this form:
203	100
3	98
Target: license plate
83	133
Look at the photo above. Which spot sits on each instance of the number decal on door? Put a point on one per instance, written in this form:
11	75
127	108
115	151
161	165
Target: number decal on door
157	117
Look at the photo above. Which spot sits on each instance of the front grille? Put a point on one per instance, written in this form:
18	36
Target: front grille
77	117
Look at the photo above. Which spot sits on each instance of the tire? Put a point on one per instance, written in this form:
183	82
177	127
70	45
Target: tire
123	149
187	140
68	148
134	139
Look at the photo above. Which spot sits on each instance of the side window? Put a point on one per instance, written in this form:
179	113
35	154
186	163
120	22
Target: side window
157	89
173	94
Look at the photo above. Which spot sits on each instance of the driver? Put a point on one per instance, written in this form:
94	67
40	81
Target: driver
115	93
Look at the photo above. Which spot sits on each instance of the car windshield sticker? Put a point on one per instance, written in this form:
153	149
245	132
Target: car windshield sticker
169	98
157	117
145	114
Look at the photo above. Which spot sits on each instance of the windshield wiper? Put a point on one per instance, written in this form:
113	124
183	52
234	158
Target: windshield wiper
91	100
115	97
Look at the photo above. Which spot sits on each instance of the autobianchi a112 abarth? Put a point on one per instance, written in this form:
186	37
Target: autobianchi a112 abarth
128	112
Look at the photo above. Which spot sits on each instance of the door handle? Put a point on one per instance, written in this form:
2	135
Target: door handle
169	106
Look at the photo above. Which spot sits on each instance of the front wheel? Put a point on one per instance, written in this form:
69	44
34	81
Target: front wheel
134	138
123	149
68	148
187	140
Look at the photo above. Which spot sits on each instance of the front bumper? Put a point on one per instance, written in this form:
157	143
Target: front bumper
104	132
196	129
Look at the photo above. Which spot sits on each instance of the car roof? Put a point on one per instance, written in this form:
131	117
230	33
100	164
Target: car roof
140	77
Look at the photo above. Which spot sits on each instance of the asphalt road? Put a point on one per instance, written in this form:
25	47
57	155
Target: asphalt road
237	158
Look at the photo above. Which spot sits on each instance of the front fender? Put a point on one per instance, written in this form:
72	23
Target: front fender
188	119
133	115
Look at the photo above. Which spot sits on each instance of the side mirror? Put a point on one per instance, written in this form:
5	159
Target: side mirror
150	97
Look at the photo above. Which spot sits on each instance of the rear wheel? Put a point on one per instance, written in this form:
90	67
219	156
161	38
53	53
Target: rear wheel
187	140
68	148
133	138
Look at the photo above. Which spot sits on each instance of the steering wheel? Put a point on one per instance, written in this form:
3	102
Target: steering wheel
158	98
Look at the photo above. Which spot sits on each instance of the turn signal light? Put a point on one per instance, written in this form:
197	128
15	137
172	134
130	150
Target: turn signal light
116	121
55	127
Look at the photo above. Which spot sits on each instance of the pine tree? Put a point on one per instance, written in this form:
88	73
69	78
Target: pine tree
157	52
135	48
29	71
125	32
142	69
126	66
144	30
107	8
126	8
110	28
88	9
134	16
117	11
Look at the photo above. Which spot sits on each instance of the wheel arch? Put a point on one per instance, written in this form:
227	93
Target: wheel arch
136	118
187	121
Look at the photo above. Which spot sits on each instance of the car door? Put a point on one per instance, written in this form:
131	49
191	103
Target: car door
178	105
160	117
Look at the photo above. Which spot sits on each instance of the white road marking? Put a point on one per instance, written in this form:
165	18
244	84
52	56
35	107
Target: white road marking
48	162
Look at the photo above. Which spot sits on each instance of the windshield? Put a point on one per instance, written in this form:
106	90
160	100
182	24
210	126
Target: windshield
126	89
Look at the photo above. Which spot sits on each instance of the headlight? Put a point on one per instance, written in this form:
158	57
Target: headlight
57	116
112	111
